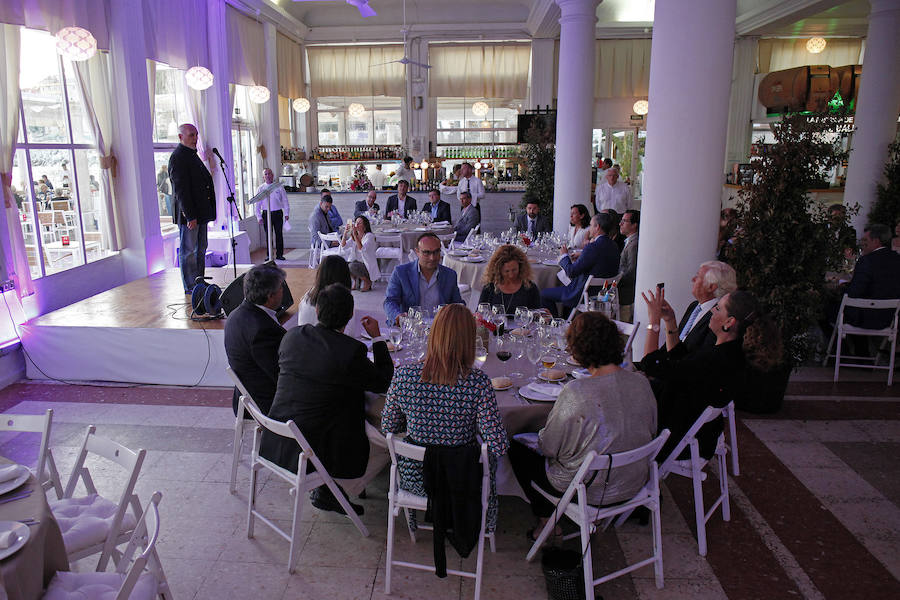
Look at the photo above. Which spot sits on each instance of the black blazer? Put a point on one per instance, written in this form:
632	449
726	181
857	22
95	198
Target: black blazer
251	344
541	224
685	383
443	213
701	336
362	208
192	186
322	377
876	276
409	205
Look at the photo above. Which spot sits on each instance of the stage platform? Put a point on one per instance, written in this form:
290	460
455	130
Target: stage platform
140	332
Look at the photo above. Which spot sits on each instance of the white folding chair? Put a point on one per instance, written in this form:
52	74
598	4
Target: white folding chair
629	330
301	481
326	247
446	240
240	426
472	232
842	329
589	517
388	252
398	498
136	577
694	467
92	523
45	471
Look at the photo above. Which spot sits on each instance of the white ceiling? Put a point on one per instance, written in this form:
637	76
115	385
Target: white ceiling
335	20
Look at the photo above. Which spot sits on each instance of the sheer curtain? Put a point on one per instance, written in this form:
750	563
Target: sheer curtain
53	15
13	243
246	49
779	54
356	71
93	78
479	71
623	68
172	35
290	67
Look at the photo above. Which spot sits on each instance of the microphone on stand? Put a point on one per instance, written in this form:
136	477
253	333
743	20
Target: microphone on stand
216	152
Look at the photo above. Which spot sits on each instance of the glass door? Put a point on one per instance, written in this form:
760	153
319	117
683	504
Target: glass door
244	156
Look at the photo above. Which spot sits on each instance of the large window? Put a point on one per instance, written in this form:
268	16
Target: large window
247	171
457	122
169	111
56	167
379	124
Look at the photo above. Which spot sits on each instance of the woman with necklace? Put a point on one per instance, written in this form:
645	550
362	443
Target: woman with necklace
507	281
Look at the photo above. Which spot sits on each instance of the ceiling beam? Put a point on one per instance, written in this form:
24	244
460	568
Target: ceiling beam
543	20
269	11
780	13
433	31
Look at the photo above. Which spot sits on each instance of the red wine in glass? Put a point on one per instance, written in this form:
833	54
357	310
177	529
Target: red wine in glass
504	355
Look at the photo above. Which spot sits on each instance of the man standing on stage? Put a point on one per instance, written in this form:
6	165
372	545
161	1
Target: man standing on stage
195	204
281	212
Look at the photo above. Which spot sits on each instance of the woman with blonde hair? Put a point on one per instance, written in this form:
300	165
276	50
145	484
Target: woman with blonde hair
443	401
507	281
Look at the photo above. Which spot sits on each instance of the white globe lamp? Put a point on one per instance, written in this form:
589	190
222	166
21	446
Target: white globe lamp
356	110
301	105
258	94
480	108
76	43
198	78
641	107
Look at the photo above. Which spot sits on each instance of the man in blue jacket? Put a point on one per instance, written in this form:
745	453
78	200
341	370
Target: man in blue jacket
600	258
424	282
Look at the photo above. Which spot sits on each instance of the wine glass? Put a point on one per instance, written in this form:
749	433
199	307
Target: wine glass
499	321
396	336
484	309
481	354
516	348
504	353
522	317
533	352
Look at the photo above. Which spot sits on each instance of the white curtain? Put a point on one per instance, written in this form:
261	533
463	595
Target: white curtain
356	71
479	71
93	78
622	68
172	33
246	49
151	86
778	54
13	244
290	67
53	15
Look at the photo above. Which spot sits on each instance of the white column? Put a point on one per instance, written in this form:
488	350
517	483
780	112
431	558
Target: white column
741	105
270	127
218	108
541	89
575	108
690	80
133	142
876	110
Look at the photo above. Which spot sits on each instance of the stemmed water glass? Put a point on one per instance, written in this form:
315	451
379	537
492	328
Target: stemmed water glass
481	353
533	352
522	317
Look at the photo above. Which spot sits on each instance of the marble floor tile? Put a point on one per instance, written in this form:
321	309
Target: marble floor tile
228	579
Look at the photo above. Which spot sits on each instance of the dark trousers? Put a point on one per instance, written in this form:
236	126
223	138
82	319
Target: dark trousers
529	467
192	253
277	226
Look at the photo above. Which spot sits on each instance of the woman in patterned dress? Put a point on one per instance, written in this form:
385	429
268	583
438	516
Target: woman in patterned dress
443	401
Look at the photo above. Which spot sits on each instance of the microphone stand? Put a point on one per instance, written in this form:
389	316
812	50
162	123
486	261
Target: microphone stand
232	204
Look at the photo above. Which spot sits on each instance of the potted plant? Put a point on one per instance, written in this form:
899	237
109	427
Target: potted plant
886	209
784	240
540	161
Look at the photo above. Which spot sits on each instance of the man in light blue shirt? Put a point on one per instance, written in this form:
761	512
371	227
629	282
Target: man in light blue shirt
440	210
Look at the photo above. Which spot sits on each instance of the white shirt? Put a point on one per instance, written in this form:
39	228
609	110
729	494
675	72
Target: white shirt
403	173
378	178
705	307
269	312
277	199
472	185
616	197
365	255
577	239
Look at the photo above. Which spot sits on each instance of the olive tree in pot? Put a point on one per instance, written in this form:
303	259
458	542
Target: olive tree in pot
886	209
785	242
540	161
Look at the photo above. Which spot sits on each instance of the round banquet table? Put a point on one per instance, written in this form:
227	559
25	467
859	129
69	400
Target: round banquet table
518	414
470	272
25	574
409	233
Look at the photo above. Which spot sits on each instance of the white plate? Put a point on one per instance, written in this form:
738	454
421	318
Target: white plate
550	263
527	392
581	373
21	530
10	485
464	247
503	389
423	229
472	259
545	378
571	360
390	231
458	252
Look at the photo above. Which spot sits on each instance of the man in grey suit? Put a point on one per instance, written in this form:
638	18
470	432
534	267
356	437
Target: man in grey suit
318	220
468	218
532	222
628	227
367	207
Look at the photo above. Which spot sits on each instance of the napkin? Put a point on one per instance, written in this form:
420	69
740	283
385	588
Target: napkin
547	389
7	539
9	472
440	223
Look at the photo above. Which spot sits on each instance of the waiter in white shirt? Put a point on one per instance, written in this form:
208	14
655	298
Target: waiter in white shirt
378	178
469	183
281	212
613	194
405	172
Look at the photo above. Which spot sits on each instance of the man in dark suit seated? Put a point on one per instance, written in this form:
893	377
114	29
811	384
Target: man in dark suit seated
253	334
400	201
423	282
469	217
876	276
713	280
368	207
532	222
322	380
600	258
439	210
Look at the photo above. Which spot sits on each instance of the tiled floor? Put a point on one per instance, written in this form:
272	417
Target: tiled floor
814	511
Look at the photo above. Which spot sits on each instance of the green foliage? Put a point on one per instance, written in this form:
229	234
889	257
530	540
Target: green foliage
540	159
784	244
886	209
